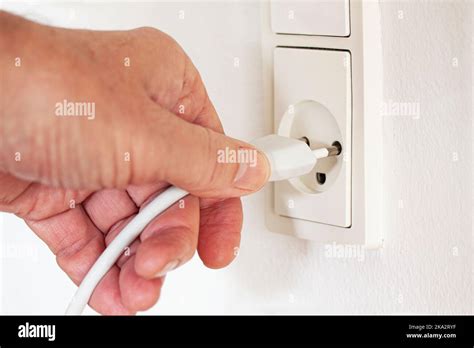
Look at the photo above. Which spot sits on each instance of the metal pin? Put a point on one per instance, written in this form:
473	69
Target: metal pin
334	150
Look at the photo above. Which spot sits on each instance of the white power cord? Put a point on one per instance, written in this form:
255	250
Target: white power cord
288	158
115	249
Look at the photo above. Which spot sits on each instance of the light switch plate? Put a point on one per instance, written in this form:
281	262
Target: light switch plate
311	17
358	220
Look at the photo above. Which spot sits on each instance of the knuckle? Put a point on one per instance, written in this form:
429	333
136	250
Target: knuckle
146	30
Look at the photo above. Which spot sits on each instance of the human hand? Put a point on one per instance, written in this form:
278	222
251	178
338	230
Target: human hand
77	181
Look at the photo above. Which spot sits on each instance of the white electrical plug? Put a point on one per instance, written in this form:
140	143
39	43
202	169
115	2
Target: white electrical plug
290	158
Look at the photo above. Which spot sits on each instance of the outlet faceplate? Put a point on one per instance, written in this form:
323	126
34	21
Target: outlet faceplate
339	80
313	89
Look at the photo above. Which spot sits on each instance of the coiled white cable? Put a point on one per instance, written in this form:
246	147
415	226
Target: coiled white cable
115	249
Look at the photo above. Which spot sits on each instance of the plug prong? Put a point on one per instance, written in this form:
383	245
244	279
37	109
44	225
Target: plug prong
329	151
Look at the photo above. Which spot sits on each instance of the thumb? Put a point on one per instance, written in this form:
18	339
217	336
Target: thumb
203	162
153	146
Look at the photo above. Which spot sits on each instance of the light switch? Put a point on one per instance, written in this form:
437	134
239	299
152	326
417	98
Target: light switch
311	17
312	100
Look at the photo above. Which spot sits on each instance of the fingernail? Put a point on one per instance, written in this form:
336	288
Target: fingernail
254	174
169	267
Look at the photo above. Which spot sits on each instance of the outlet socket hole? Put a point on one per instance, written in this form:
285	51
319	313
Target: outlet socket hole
338	145
306	140
320	178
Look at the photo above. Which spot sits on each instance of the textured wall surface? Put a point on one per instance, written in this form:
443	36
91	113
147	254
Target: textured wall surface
426	265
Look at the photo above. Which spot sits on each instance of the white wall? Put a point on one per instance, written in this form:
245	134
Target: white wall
426	265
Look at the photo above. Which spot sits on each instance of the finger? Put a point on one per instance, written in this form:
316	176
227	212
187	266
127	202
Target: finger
169	240
219	235
198	159
138	294
114	231
186	97
77	243
107	207
195	106
139	194
34	201
107	298
208	117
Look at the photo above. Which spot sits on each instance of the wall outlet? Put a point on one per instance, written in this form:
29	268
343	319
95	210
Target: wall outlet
326	89
313	89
